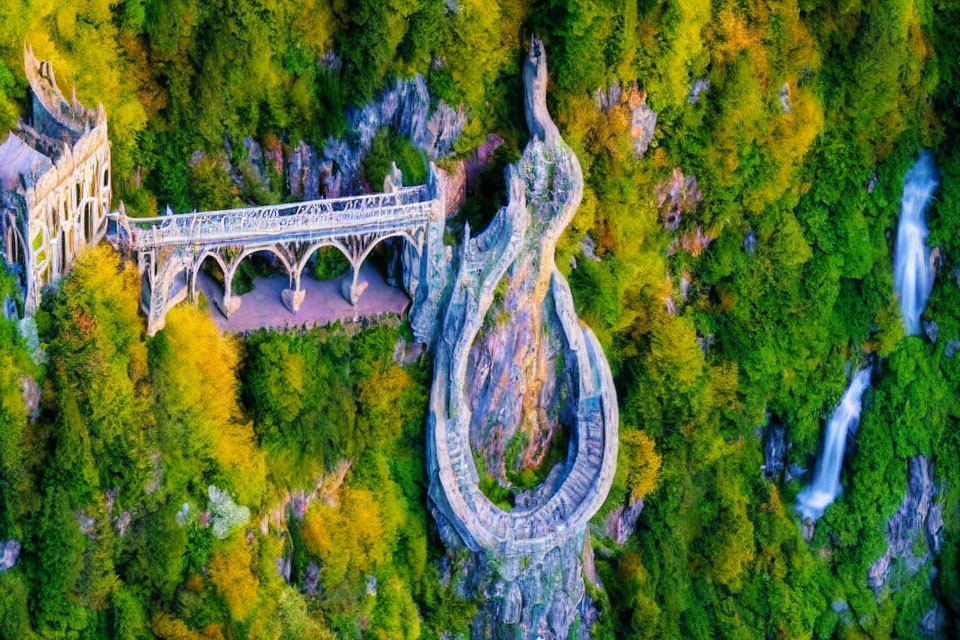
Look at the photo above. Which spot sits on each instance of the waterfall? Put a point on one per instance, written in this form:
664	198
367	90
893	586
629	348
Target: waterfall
817	496
912	269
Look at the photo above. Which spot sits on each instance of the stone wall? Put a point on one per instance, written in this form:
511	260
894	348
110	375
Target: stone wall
507	293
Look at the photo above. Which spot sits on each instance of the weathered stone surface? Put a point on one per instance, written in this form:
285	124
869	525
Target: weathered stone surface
932	329
352	291
643	119
9	552
255	157
839	606
406	108
917	516
588	247
643	123
677	196
934	621
700	87
535	78
784	97
293	298
284	567
952	347
695	241
794	472
230	304
750	242
311	579
774	449
622	521
303	172
30	391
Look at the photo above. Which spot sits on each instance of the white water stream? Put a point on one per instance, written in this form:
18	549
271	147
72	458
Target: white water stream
913	272
818	495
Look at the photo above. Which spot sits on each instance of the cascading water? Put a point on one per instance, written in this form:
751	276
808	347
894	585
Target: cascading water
912	269
817	496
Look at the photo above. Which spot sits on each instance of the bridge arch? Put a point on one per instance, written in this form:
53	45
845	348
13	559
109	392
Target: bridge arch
234	263
87	218
198	265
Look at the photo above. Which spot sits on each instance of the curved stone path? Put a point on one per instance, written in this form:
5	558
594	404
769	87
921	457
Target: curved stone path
548	170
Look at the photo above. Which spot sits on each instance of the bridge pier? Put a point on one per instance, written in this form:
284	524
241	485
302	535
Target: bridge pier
353	287
293	297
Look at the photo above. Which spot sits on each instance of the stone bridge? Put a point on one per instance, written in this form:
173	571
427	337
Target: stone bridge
170	249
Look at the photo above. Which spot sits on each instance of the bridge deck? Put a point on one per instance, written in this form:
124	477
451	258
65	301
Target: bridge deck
304	221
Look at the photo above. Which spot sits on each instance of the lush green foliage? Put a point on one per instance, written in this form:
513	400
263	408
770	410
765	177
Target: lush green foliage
131	428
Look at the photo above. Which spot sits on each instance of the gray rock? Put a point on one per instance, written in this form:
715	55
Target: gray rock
9	552
807	529
87	525
255	156
932	329
303	172
872	183
839	606
311	579
699	88
588	246
513	604
284	566
406	108
952	347
705	342
750	242
30	391
371	585
331	60
794	472
911	520
676	196
184	514
643	123
122	523
622	521
784	97
774	449
643	119
934	621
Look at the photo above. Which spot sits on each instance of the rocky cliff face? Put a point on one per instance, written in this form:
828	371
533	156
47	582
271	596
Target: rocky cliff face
513	363
336	169
914	532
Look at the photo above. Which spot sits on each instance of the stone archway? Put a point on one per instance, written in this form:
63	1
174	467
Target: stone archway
87	219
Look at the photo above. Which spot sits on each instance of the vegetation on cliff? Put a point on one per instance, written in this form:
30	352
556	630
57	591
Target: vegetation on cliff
774	280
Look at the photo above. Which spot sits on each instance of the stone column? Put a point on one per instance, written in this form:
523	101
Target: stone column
293	297
231	303
351	287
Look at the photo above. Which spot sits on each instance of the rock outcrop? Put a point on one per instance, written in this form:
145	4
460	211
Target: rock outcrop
774	449
511	357
406	108
643	119
919	519
677	196
9	552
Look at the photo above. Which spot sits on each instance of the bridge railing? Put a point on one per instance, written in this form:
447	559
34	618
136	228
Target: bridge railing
368	212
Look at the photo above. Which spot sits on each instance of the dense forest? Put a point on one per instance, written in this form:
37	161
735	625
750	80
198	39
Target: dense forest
149	485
